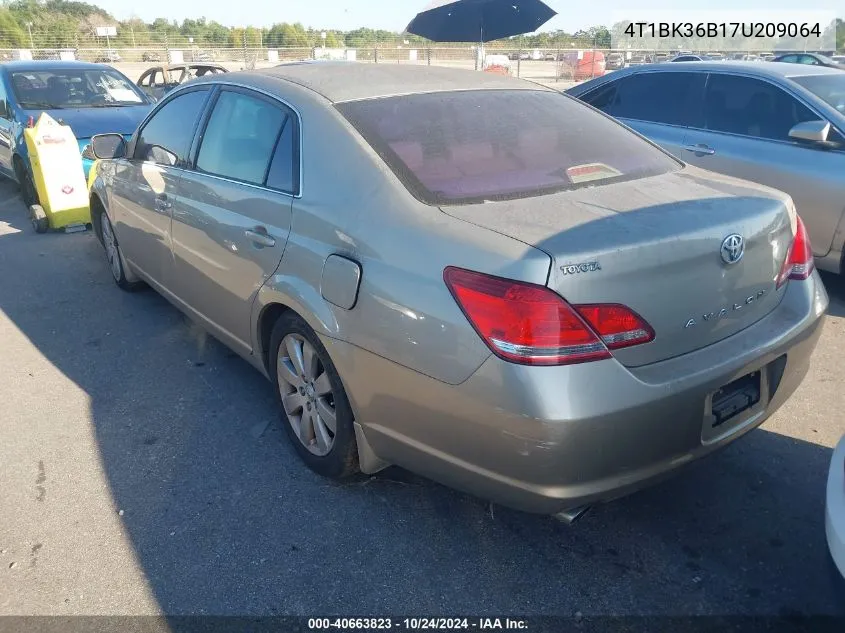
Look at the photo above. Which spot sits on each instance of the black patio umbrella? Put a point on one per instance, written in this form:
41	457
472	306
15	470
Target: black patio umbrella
479	20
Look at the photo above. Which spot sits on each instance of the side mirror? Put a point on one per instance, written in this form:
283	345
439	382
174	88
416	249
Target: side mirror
106	146
813	131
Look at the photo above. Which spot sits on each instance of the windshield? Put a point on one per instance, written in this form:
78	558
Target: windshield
461	147
70	88
828	88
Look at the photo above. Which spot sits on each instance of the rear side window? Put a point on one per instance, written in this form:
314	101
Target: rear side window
284	169
603	98
240	137
659	97
751	107
470	146
167	135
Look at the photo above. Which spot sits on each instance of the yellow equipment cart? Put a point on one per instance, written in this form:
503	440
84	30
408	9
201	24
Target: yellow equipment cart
58	177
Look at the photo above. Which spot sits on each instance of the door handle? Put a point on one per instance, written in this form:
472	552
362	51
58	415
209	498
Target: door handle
259	236
701	148
162	204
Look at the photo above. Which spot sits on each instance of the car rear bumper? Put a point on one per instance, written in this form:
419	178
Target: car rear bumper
835	507
549	439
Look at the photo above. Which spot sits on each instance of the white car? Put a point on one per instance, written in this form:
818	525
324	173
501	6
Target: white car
835	507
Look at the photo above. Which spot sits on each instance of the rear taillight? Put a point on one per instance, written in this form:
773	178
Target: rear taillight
529	324
798	263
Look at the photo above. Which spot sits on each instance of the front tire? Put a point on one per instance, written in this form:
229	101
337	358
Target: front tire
28	191
114	256
314	407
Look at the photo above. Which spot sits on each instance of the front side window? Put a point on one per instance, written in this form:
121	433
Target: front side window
240	137
659	97
166	137
751	107
477	145
50	89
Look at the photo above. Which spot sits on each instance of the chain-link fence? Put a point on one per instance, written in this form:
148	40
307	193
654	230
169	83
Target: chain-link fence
548	65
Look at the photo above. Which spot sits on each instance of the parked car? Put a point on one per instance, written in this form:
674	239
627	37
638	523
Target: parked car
160	80
551	246
835	509
687	58
660	57
638	60
777	124
810	59
614	61
839	59
549	57
151	56
90	98
108	57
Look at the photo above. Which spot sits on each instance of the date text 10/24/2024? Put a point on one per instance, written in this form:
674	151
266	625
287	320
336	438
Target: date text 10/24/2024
416	624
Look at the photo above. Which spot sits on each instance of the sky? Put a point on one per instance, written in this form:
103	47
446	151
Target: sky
394	15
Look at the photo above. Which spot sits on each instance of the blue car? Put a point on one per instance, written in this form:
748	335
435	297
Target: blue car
90	98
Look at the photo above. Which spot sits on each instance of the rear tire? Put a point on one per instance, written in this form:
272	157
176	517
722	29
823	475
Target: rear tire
38	219
314	407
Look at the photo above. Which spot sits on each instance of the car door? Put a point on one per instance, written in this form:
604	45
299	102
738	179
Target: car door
7	129
232	219
145	184
657	104
745	133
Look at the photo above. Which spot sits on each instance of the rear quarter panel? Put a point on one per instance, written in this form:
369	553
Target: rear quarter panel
353	205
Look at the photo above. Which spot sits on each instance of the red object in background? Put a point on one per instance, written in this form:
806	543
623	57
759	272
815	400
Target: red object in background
592	64
499	70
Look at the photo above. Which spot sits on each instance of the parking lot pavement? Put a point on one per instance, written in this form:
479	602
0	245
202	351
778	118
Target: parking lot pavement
143	470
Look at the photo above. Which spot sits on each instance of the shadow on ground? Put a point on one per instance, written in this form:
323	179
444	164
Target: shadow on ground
225	519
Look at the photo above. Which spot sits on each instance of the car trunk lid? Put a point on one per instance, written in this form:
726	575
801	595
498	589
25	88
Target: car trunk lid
655	245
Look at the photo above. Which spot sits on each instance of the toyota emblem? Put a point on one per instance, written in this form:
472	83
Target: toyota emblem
733	248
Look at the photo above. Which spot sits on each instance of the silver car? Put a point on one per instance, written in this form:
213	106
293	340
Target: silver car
465	274
778	124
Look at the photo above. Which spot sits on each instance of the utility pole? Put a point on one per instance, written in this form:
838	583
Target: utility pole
246	63
29	28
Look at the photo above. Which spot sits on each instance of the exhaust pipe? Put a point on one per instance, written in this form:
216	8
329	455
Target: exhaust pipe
571	515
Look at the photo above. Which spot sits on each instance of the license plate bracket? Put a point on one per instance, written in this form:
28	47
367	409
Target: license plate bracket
735	397
734	404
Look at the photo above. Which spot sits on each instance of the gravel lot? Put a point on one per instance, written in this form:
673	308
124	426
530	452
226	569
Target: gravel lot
143	471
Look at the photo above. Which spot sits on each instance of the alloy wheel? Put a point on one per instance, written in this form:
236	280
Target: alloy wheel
307	394
111	248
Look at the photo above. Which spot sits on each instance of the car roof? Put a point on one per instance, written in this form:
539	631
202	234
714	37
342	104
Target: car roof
773	70
31	65
349	81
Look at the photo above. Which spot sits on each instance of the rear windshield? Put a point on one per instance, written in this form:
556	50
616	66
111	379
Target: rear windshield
470	146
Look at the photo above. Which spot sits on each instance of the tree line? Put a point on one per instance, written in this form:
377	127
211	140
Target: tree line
72	24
